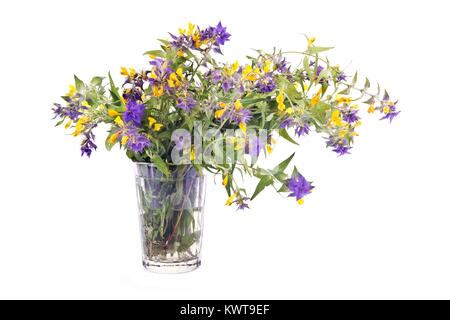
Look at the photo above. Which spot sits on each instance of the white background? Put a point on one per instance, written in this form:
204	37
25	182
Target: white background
376	226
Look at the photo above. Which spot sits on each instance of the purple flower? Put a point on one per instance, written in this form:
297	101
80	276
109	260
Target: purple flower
137	142
134	113
302	129
88	144
392	112
266	84
242	205
71	111
241	115
339	146
341	77
186	103
286	122
350	116
298	186
227	84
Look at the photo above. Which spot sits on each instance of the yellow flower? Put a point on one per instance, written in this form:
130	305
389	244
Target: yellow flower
119	121
267	66
124	140
180	53
158	126
78	129
371	109
219	113
85	104
386	109
238	104
113	138
151	121
190	29
225	180
249	74
124	71
280	100
158	92
153	75
174	79
316	99
192	154
113	113
335	115
289	110
344	100
72	91
311	41
300	201
230	199
269	149
152	56
180	73
243	127
68	124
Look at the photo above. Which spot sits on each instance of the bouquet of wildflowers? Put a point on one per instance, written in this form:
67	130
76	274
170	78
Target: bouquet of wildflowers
187	108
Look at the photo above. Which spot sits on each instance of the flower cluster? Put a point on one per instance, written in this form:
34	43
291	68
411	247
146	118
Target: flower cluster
183	84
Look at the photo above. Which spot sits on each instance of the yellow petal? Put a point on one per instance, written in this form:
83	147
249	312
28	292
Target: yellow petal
158	126
180	73
192	154
124	71
230	199
225	180
113	113
132	72
125	140
153	75
219	113
243	127
371	109
289	110
238	104
269	149
152	56
113	138
311	41
119	121
300	201
180	53
151	121
68	124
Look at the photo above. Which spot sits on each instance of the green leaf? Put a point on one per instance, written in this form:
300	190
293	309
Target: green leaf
345	91
97	81
114	91
263	183
367	84
355	78
283	165
283	133
160	164
315	49
156	53
78	83
59	122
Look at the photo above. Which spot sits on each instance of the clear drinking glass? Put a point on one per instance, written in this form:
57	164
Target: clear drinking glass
171	217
